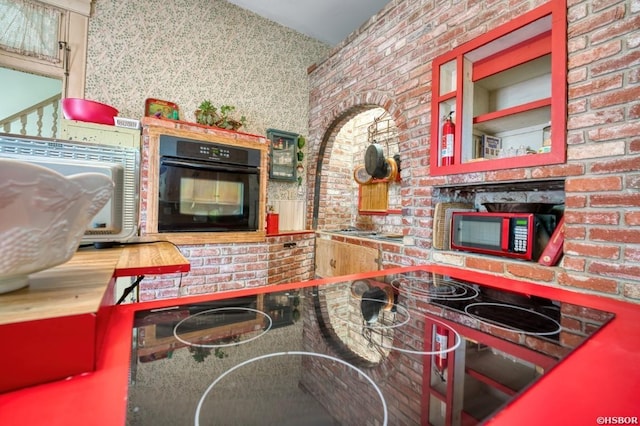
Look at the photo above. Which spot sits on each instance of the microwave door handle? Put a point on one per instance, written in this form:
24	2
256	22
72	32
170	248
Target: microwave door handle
506	228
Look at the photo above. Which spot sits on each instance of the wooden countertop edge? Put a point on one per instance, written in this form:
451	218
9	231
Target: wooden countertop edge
78	286
288	233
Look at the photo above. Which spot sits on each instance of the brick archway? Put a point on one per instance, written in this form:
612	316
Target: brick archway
325	134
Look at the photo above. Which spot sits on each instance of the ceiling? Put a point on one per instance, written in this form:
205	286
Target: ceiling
329	21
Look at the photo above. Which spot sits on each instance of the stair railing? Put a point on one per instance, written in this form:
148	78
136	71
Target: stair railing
32	120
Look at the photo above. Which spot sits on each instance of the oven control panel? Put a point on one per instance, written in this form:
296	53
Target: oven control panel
208	151
172	146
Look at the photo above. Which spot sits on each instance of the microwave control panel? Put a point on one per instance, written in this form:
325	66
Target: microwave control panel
520	231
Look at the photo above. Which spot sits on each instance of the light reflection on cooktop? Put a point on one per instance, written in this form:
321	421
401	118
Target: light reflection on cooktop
390	346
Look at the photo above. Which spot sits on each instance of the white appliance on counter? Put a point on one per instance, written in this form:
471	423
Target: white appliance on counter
80	131
117	221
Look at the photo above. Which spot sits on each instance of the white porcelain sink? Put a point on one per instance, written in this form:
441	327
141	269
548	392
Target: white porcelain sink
43	216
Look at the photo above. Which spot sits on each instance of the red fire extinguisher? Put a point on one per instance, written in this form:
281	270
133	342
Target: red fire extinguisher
446	146
441	345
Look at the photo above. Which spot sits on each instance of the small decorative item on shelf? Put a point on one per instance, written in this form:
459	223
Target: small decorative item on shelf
161	109
361	175
492	146
284	156
546	135
209	115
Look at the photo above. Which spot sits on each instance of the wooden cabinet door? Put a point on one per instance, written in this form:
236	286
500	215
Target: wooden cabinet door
335	258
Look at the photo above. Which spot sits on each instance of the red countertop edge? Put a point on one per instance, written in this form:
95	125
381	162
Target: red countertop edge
601	378
151	270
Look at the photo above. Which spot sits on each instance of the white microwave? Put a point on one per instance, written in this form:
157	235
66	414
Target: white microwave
117	221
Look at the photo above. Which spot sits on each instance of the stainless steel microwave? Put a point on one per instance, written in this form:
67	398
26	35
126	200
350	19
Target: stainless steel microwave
516	235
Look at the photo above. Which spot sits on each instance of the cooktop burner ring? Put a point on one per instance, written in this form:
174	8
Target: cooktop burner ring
301	353
453	290
407	317
428	318
506	327
223	345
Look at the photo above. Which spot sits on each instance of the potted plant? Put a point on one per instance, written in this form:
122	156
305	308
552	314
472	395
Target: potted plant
210	115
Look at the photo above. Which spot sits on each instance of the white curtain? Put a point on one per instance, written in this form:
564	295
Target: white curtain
30	28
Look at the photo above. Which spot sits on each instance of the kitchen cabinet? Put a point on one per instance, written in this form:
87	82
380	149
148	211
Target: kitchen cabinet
506	93
335	258
284	157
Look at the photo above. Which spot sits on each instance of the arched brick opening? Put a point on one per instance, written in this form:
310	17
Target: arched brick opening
332	124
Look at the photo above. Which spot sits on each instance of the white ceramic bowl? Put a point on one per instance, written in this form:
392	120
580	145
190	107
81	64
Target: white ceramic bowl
43	217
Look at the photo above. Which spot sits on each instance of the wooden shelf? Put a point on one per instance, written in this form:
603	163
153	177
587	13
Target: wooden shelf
523	116
79	285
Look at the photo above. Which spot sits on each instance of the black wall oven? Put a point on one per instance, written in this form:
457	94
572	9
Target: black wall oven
207	187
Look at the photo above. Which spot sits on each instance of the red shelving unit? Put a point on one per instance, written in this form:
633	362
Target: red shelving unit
504	88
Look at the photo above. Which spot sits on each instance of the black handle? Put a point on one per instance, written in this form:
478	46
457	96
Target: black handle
214	167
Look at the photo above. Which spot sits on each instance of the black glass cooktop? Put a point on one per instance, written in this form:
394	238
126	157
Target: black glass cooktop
415	348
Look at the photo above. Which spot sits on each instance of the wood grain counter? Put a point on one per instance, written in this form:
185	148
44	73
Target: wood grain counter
78	286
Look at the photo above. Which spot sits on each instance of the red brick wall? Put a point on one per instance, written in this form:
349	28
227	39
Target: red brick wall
291	258
388	64
223	267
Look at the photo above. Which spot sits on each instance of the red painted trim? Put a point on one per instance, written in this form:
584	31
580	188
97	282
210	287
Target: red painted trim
545	159
529	106
174	123
525	19
435	115
427	390
37	352
447	96
559	80
372	213
526	51
489	381
151	270
518	351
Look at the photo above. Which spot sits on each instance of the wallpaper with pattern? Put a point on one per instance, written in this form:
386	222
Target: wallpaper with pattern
186	51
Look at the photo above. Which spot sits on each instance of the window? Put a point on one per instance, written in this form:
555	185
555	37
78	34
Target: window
30	36
30	29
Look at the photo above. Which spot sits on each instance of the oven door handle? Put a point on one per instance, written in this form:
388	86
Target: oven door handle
209	166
